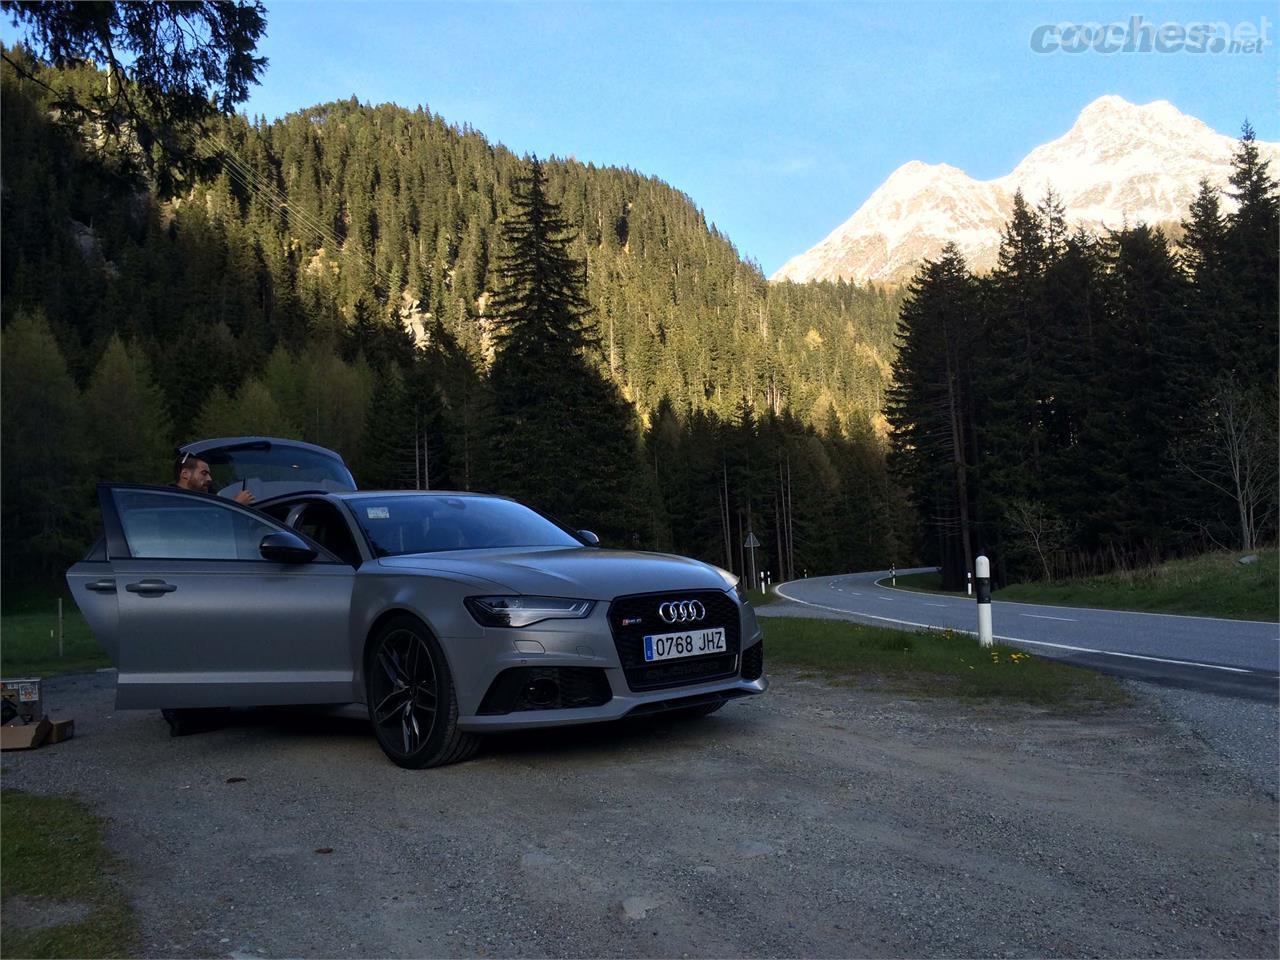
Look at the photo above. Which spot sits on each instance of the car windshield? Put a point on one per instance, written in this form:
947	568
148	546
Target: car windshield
271	469
397	525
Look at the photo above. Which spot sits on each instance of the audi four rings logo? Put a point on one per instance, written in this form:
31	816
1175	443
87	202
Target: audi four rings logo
682	611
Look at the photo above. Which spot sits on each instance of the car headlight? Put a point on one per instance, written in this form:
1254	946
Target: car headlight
523	611
734	583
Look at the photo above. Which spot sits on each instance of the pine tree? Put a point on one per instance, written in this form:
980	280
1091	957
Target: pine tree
178	65
382	340
929	407
336	398
127	429
252	411
540	307
1143	329
561	436
1078	397
390	457
1207	258
1014	300
47	488
1254	239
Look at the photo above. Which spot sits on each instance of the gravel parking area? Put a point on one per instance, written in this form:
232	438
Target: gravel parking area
817	820
1243	732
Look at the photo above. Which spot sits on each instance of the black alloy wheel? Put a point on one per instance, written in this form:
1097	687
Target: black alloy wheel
411	700
404	684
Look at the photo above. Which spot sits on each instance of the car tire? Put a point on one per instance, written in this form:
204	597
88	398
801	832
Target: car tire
412	704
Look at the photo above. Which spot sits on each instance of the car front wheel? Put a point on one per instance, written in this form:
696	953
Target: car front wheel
412	703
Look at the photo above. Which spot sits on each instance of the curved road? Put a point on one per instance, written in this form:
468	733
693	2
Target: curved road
1238	658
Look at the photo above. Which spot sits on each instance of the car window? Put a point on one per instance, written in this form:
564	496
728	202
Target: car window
322	523
174	526
278	511
272	469
397	525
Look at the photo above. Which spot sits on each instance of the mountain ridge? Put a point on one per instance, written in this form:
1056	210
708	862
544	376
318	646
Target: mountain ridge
1119	163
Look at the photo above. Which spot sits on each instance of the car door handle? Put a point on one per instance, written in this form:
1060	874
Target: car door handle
151	588
101	586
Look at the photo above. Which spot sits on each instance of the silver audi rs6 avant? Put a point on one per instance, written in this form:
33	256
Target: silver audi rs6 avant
447	614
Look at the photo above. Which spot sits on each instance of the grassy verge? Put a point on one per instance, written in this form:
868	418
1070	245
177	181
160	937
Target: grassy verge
760	598
54	853
930	582
1210	585
934	662
30	646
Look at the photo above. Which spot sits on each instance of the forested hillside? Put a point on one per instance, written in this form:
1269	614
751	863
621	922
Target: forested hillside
329	276
1096	402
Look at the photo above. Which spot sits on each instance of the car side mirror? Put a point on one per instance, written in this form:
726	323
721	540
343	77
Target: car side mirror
285	547
591	539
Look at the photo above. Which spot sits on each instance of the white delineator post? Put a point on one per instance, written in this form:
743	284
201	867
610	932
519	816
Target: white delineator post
893	574
983	579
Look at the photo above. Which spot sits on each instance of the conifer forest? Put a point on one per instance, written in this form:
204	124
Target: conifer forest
445	313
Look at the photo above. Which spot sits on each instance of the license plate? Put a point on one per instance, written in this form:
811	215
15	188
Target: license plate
693	643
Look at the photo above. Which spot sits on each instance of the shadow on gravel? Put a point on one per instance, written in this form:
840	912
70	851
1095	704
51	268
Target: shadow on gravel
617	735
289	721
319	723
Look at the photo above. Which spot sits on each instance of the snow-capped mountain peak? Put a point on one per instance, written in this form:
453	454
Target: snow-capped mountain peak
1119	163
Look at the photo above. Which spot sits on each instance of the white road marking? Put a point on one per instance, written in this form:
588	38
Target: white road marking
1128	613
878	597
1035	643
1130	656
928	604
1040	616
1137	613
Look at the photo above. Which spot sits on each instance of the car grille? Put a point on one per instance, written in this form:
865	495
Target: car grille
631	618
753	661
546	688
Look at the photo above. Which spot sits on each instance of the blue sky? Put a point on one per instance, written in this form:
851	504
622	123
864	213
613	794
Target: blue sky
777	119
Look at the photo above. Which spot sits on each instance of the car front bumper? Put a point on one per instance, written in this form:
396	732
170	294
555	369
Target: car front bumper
619	706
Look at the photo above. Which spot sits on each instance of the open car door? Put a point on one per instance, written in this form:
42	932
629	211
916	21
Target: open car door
204	603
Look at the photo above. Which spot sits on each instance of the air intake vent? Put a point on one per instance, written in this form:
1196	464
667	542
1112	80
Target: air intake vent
546	688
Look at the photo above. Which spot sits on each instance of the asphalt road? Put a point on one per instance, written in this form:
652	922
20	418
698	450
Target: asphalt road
1238	658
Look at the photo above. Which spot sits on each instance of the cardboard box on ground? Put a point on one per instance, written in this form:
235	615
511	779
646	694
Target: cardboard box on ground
25	726
24	736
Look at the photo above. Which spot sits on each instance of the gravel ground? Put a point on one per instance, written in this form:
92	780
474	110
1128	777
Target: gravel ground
1244	732
814	821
